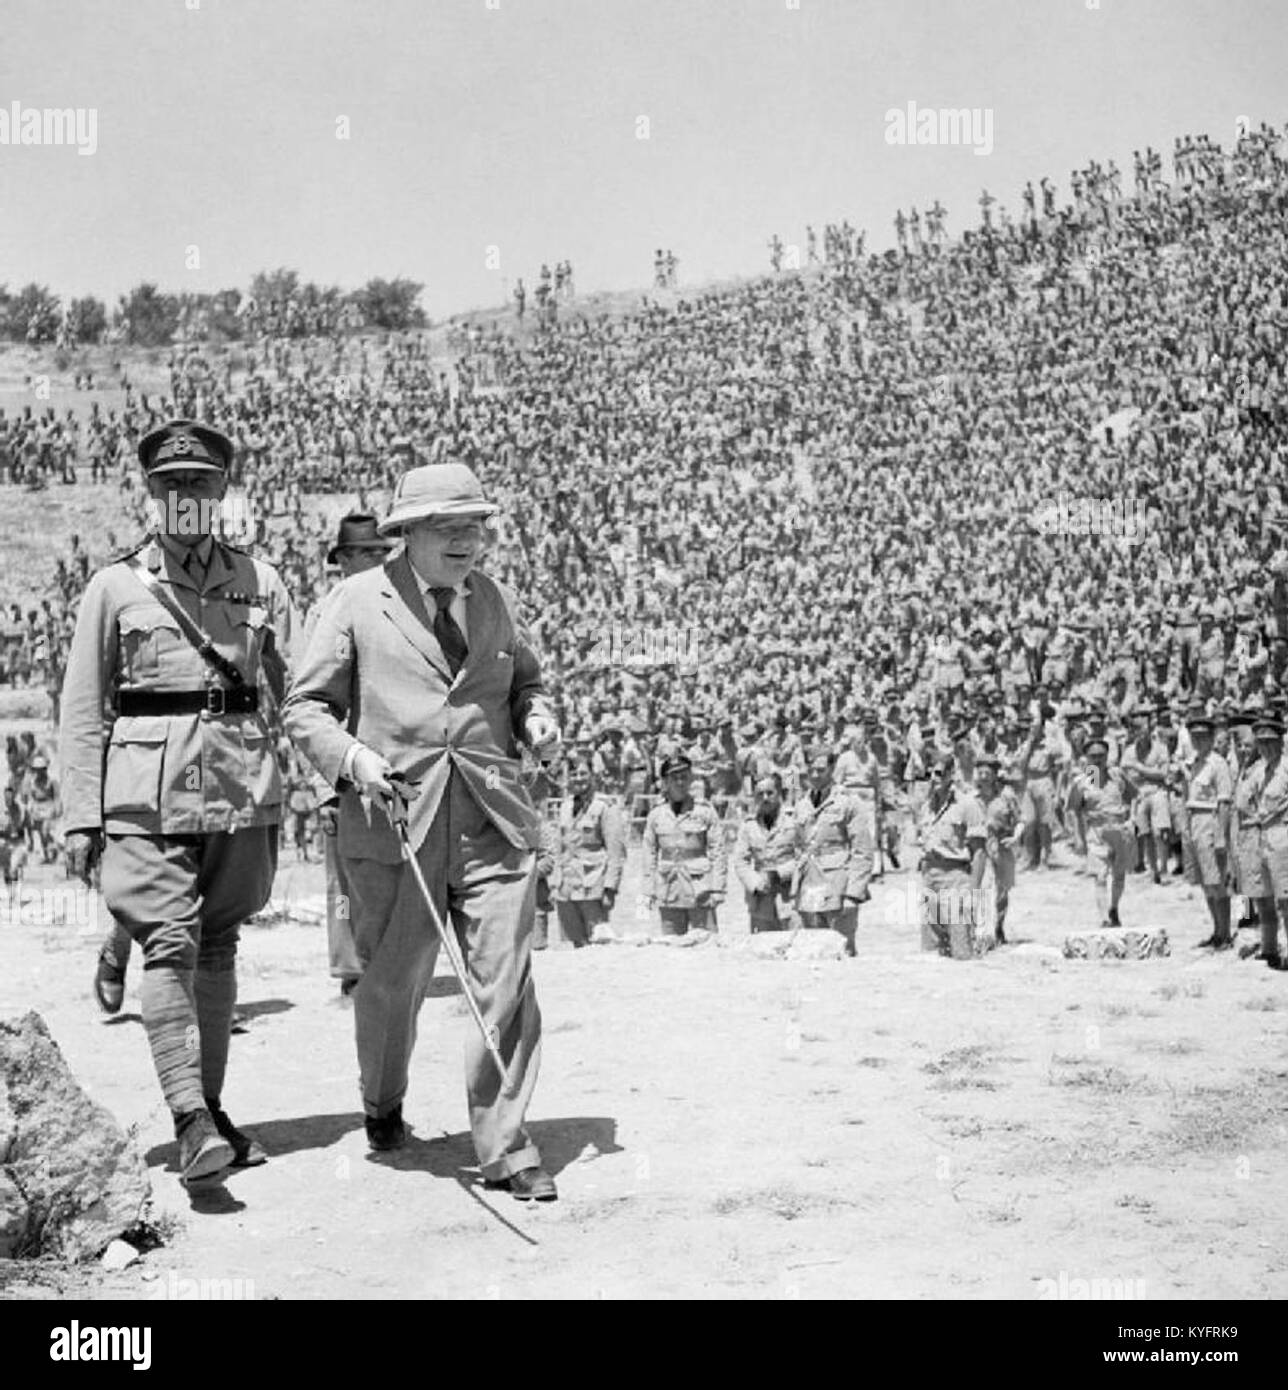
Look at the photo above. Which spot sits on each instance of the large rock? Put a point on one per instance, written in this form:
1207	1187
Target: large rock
788	945
71	1181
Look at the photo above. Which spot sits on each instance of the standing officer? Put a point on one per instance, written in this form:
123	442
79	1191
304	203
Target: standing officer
1002	821
684	854
834	852
764	857
1100	797
358	547
1208	795
953	835
1272	814
1147	763
1040	763
591	855
1251	876
424	666
169	769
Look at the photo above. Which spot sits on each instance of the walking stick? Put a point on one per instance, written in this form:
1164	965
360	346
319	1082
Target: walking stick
397	813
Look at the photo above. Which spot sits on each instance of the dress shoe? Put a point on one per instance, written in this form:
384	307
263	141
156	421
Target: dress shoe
247	1152
528	1185
203	1152
387	1131
109	985
1215	943
1112	919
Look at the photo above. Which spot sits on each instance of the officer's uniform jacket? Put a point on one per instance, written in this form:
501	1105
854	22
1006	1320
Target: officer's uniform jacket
1245	811
762	849
1209	784
684	855
374	674
182	774
591	849
950	835
833	849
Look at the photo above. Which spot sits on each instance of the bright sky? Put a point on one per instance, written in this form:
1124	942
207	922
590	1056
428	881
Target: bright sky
513	124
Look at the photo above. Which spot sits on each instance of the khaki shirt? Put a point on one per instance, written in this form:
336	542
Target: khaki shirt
834	848
179	774
591	849
762	849
684	855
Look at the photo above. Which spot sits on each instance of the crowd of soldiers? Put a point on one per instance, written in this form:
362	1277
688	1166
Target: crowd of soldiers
30	829
874	437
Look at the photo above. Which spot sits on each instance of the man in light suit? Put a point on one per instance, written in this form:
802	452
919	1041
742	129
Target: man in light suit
422	667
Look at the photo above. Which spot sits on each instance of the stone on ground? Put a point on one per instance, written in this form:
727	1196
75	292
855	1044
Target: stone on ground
71	1181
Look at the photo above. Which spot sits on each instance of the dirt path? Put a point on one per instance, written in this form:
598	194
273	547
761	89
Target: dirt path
893	1126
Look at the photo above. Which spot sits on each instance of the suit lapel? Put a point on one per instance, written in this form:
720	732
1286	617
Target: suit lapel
404	606
480	622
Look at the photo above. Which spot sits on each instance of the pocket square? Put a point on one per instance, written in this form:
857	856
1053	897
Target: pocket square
504	656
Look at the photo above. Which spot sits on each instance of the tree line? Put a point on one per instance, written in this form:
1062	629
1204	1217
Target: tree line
146	316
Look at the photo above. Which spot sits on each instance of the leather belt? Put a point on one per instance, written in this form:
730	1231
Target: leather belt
215	699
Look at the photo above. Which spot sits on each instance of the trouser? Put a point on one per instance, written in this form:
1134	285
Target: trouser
115	947
678	921
842	919
339	915
578	918
183	899
947	910
484	888
771	911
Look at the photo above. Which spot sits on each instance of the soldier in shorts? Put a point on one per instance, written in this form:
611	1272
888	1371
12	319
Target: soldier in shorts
1101	798
1146	762
1272	813
1251	874
1208	795
953	835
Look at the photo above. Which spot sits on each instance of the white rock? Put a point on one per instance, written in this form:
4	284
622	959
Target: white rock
119	1255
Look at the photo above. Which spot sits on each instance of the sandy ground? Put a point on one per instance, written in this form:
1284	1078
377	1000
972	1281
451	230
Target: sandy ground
893	1126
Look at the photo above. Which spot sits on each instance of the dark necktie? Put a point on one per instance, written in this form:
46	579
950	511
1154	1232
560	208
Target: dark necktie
450	637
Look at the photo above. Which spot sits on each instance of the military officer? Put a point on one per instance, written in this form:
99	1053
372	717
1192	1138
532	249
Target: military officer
834	852
1209	792
764	856
169	771
358	546
1251	876
590	857
953	835
1272	815
1003	819
1040	763
1147	763
1100	797
684	854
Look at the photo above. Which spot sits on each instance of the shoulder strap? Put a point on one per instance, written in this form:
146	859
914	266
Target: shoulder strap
198	639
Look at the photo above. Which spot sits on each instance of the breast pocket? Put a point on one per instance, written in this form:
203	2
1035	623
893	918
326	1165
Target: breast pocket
151	645
135	763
